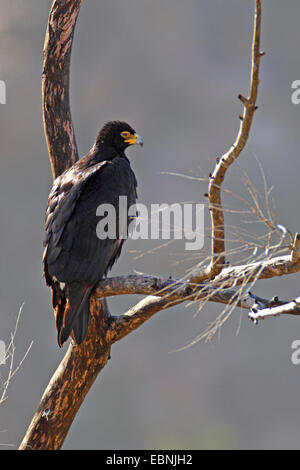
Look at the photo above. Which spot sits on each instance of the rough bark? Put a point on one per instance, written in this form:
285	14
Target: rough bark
81	364
57	119
67	390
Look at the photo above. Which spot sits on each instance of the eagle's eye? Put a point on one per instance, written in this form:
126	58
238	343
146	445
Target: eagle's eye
125	134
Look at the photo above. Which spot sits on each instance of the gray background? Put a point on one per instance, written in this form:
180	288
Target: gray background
173	69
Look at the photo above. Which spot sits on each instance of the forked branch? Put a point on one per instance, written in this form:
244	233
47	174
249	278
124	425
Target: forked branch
81	364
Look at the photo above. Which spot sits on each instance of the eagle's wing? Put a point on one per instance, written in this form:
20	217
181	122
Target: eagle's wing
73	251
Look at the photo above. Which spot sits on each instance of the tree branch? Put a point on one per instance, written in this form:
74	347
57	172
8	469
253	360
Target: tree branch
177	289
57	119
163	294
216	179
265	269
273	308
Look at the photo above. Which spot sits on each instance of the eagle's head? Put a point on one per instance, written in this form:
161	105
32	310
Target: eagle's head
119	135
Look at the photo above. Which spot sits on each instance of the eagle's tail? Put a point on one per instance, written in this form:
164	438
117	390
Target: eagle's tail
72	310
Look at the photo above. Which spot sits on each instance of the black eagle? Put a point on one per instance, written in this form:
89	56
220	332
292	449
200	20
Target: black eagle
75	258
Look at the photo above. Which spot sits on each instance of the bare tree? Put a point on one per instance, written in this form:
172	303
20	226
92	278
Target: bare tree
215	282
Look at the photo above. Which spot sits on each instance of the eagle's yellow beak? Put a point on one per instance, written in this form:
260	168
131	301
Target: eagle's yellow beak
134	139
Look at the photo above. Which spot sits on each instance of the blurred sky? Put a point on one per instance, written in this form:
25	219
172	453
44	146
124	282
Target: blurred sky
173	70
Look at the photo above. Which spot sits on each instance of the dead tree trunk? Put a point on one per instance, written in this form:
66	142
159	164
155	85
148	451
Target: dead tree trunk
217	282
81	365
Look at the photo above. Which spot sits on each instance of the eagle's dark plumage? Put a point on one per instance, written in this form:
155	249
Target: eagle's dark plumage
75	259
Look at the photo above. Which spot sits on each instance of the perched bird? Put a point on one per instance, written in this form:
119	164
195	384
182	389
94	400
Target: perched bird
75	258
